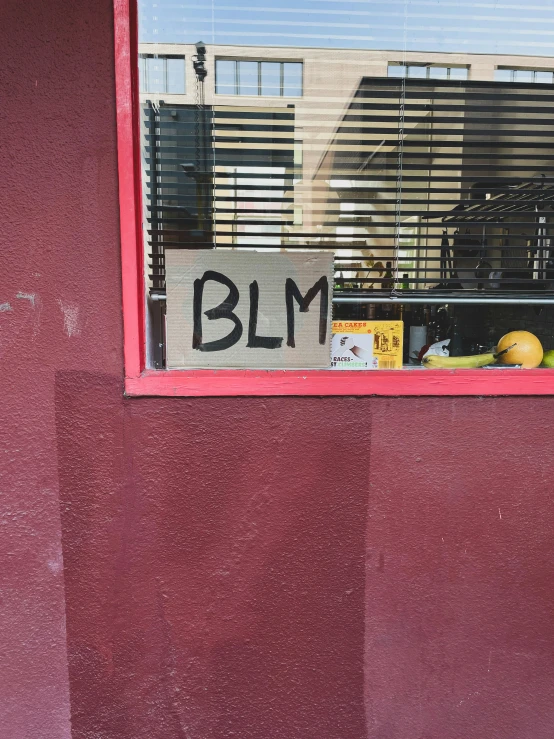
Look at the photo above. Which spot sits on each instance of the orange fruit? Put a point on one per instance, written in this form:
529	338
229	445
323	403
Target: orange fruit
527	350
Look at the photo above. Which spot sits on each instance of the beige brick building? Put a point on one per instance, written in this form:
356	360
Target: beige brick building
331	150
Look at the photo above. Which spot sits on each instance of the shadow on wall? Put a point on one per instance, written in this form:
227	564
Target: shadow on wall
214	559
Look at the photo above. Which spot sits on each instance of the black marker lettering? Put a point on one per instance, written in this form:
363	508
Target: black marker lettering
259	342
292	292
223	310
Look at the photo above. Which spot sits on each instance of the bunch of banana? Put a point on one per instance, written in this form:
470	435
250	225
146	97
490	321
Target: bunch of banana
478	360
435	362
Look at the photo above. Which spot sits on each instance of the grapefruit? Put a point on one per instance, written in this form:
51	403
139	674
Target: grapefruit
527	350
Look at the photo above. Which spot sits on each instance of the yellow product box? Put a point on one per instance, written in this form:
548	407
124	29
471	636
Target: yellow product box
359	345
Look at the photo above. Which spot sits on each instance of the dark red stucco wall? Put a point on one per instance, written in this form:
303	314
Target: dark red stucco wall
214	568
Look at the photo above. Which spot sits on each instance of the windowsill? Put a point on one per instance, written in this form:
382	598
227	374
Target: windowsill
414	381
257	97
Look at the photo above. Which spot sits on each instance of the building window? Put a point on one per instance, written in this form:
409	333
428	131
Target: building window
427	195
268	78
427	71
504	74
162	74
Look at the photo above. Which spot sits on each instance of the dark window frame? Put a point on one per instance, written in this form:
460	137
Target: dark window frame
534	70
428	67
281	62
164	57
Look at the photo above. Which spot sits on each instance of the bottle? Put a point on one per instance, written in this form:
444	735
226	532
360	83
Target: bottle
426	320
407	317
387	311
456	340
387	284
443	323
418	333
432	326
388	279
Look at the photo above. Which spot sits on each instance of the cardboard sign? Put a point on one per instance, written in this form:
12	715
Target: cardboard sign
360	345
248	309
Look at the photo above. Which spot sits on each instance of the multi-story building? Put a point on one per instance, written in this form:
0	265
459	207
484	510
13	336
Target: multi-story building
373	154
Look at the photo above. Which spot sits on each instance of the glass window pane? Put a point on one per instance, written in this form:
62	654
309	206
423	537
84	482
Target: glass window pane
503	75
292	79
271	78
155	74
397	70
351	119
176	76
543	77
225	77
524	75
142	75
458	73
438	73
248	78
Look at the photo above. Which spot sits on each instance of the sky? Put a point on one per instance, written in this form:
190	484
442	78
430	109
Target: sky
486	27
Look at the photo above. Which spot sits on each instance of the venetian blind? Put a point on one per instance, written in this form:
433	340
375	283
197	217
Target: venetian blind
445	172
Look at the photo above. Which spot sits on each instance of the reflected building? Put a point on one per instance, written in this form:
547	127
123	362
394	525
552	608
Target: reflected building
439	163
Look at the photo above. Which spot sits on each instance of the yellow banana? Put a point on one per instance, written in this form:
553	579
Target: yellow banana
479	360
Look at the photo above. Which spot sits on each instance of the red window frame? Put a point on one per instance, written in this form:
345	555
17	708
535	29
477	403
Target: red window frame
141	381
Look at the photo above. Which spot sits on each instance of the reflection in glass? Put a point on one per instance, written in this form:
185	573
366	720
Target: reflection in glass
292	79
175	75
155	81
271	78
397	70
248	78
226	77
523	75
441	26
143	85
458	73
503	75
438	73
405	132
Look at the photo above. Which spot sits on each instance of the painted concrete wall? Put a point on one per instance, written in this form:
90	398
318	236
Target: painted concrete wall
59	292
255	568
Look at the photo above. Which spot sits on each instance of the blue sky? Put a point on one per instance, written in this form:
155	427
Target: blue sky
427	25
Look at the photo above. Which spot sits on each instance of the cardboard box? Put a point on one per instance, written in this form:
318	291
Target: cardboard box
248	309
360	345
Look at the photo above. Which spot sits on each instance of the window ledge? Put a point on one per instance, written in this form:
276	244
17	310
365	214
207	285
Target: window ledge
407	382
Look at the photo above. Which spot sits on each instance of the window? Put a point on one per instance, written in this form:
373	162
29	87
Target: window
539	76
427	71
431	192
162	74
270	82
268	78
